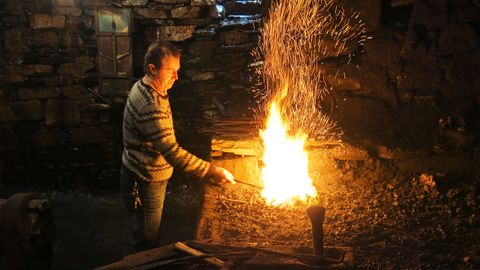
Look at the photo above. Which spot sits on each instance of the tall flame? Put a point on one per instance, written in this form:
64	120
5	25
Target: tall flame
285	175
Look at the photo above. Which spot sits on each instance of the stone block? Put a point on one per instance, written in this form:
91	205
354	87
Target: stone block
12	78
130	3
245	168
35	69
6	113
171	2
48	138
149	13
42	21
97	3
202	76
416	76
171	33
428	16
13	6
91	134
79	67
62	112
67	11
66	3
203	2
27	110
8	139
457	38
76	91
233	37
46	38
185	12
15	40
470	14
74	24
216	12
203	48
38	93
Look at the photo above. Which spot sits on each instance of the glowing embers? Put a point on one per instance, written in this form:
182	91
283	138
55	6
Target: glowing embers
285	175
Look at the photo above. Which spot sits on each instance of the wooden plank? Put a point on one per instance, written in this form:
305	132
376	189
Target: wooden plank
212	260
140	258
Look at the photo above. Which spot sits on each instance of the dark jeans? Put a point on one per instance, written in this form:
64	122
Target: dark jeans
147	215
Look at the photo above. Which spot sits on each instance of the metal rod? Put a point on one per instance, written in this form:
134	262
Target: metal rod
316	215
248	184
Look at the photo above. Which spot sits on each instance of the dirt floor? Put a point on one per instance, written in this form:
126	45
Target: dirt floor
420	212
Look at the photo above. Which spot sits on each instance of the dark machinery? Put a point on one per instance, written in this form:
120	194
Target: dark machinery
27	232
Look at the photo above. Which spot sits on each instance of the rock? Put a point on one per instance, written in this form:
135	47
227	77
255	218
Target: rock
6	113
216	12
27	110
67	11
95	3
171	33
74	24
42	21
46	38
233	37
203	48
370	12
171	2
16	40
203	76
62	112
76	92
203	2
416	76
428	16
457	38
38	93
149	13
185	12
48	138
383	49
348	152
469	14
66	3
134	2
34	69
79	67
8	139
91	134
340	83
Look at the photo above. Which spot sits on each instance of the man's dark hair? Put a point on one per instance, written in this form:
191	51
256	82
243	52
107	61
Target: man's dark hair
157	51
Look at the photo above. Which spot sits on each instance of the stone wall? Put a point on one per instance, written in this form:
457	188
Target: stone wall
414	84
57	127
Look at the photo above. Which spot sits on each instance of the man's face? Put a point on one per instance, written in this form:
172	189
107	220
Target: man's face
167	74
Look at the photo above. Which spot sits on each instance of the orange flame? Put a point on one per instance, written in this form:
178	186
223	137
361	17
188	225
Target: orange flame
285	175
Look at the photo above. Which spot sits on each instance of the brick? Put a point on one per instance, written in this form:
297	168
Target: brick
27	110
42	21
67	11
186	12
8	139
62	112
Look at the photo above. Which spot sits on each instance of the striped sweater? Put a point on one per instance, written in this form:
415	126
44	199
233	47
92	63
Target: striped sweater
150	149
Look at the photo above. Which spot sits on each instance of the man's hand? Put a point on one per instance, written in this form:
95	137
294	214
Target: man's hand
221	175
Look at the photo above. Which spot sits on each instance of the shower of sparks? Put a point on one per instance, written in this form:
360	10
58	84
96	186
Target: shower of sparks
297	36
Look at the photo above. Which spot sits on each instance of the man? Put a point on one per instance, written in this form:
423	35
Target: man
150	148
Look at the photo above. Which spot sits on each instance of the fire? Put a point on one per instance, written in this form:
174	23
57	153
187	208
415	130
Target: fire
285	175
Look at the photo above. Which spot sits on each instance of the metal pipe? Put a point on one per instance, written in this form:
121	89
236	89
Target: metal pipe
316	215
